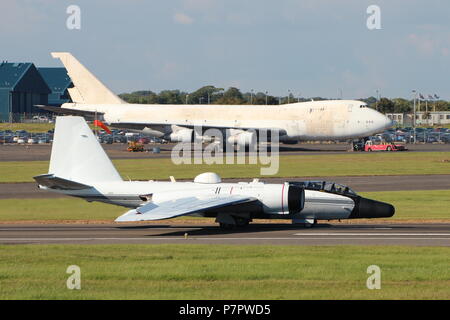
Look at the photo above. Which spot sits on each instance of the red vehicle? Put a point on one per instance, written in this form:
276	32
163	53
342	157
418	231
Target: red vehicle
383	146
144	140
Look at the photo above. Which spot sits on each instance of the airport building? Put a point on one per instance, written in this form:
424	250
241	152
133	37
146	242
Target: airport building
21	87
433	118
58	81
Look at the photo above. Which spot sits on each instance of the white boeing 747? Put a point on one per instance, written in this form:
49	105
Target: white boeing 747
79	167
241	124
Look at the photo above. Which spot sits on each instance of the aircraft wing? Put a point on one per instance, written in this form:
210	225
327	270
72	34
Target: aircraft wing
181	207
53	182
141	126
88	115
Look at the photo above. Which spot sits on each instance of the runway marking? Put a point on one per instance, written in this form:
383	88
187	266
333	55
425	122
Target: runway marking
206	238
370	234
97	228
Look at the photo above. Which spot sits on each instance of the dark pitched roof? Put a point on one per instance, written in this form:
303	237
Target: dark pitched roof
11	73
57	79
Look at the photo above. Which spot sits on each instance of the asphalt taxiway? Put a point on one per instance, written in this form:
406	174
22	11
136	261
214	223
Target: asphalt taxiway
36	152
269	234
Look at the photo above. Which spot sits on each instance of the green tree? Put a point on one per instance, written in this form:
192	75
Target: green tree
232	96
170	97
402	105
205	94
385	105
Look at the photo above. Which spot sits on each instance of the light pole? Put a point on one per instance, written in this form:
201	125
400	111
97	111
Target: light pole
414	115
376	103
266	96
251	96
10	107
289	96
187	96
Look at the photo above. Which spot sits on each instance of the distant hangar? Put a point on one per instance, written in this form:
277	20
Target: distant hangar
22	86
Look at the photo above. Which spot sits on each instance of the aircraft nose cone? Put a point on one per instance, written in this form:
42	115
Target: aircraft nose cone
367	208
385	122
388	122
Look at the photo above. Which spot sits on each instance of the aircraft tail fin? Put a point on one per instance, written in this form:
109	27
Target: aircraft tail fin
77	155
87	88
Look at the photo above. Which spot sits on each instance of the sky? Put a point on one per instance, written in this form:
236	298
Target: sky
310	47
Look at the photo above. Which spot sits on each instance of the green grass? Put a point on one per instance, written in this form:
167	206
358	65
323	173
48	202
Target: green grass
30	127
401	163
57	209
223	272
417	205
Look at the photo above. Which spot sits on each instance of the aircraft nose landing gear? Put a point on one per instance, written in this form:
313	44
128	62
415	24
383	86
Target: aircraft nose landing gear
228	222
307	223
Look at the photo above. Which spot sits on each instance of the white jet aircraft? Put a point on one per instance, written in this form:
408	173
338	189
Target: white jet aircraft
79	167
240	124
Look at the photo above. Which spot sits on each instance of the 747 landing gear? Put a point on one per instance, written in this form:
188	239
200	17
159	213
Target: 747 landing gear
358	145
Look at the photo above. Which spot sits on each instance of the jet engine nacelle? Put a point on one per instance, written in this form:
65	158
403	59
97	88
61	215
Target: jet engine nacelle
243	139
289	199
183	135
277	199
296	199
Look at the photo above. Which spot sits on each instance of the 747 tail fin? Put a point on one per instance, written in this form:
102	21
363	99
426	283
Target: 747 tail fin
87	88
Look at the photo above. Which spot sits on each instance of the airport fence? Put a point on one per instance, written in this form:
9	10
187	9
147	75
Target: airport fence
27	118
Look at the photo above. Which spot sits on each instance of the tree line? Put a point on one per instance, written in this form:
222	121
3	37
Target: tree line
232	95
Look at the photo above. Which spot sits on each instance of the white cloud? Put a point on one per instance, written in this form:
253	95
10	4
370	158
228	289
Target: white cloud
424	44
429	44
182	18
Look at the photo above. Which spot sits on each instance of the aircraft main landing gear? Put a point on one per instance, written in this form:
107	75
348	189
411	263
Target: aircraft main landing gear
228	222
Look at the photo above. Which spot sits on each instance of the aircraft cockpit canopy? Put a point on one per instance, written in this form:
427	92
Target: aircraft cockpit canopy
325	186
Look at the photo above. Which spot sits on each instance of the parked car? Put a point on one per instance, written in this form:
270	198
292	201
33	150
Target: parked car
445	138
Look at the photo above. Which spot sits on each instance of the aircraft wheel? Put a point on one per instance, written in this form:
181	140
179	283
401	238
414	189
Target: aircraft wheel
370	150
242	222
388	149
226	226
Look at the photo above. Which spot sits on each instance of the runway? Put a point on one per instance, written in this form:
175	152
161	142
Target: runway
36	152
255	234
